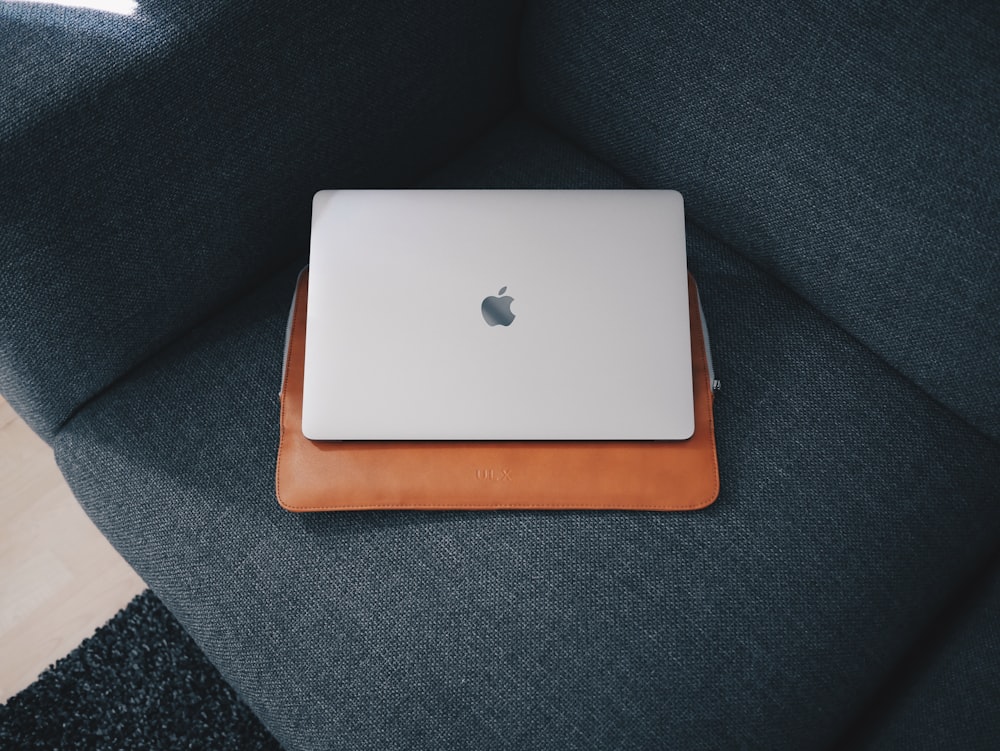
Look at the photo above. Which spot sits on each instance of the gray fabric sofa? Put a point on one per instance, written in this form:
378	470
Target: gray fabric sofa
840	167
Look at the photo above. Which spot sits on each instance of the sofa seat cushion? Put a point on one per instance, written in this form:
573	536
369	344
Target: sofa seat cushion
851	504
947	694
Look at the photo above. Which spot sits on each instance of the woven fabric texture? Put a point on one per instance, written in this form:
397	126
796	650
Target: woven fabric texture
154	167
947	694
849	150
839	168
851	505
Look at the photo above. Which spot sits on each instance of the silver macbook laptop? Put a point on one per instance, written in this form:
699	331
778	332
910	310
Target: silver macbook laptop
498	315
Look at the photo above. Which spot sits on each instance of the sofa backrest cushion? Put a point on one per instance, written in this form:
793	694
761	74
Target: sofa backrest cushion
850	150
153	167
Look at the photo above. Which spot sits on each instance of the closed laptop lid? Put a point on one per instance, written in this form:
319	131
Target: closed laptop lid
498	315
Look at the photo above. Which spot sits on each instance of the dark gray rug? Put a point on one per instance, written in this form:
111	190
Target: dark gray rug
140	682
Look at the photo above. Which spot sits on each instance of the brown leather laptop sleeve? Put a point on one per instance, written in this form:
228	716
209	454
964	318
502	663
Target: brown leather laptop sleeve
474	475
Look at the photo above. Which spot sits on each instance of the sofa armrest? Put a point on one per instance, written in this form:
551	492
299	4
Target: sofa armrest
156	165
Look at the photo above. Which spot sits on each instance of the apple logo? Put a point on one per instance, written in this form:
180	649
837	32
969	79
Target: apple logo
496	310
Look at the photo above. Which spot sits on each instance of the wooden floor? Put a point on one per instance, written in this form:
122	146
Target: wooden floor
59	577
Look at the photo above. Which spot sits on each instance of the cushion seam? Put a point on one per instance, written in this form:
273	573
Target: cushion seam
995	440
266	275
